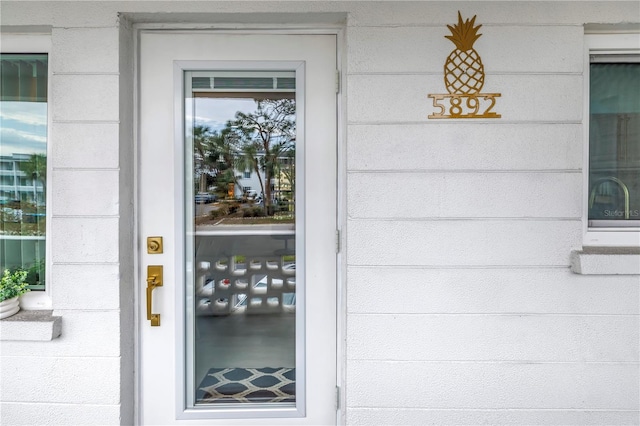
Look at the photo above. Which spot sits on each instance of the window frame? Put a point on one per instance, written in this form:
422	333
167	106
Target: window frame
38	43
604	43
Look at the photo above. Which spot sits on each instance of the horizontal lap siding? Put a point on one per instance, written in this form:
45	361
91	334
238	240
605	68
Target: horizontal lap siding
388	50
78	97
403	98
463	195
85	192
59	414
77	380
543	13
464	385
474	417
86	240
464	145
461	305
99	142
462	242
85	334
514	337
486	290
71	281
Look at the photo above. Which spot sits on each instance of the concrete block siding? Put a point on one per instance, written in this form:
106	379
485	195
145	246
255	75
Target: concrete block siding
460	305
76	379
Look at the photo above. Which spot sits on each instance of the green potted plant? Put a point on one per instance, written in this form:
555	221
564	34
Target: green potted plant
12	286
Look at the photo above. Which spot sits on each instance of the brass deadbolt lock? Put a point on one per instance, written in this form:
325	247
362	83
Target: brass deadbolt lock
154	245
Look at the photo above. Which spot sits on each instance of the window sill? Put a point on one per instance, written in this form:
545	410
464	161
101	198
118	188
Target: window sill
39	326
606	261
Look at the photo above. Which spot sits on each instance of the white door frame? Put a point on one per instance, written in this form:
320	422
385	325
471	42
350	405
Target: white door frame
340	202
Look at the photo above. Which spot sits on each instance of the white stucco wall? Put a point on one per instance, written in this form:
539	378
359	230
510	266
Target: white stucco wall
460	304
76	379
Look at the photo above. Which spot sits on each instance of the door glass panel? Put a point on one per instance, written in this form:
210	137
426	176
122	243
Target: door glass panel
241	239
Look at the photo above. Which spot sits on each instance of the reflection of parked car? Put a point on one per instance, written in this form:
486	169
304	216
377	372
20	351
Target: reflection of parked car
204	198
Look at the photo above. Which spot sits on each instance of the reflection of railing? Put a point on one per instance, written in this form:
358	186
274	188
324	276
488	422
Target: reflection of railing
599	182
245	272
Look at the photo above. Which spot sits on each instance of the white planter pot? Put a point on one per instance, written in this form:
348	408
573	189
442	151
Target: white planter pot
9	307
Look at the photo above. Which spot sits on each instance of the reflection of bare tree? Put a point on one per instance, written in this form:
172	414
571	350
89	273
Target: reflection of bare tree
262	141
248	160
265	135
36	168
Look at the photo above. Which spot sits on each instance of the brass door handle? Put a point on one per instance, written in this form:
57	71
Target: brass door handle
154	279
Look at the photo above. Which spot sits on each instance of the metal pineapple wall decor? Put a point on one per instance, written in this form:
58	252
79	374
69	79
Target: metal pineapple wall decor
464	77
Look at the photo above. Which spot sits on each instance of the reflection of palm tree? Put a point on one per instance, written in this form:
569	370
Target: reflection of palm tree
248	160
201	137
36	168
224	156
213	154
267	134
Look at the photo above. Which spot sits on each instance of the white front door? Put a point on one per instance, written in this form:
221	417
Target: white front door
237	175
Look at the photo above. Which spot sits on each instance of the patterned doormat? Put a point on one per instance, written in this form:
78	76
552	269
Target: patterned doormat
229	385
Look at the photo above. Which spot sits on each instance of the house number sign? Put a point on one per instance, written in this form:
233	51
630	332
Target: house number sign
464	77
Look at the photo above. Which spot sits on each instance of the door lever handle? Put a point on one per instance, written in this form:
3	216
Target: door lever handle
154	279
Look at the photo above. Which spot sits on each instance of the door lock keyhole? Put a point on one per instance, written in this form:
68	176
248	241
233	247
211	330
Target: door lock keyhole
154	245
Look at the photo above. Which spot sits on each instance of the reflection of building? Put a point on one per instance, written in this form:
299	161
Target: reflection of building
249	183
15	184
282	181
22	240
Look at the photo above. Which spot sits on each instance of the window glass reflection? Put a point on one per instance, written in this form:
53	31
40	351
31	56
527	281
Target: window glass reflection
614	142
244	302
23	164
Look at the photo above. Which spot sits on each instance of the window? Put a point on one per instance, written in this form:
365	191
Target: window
24	123
246	175
613	190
